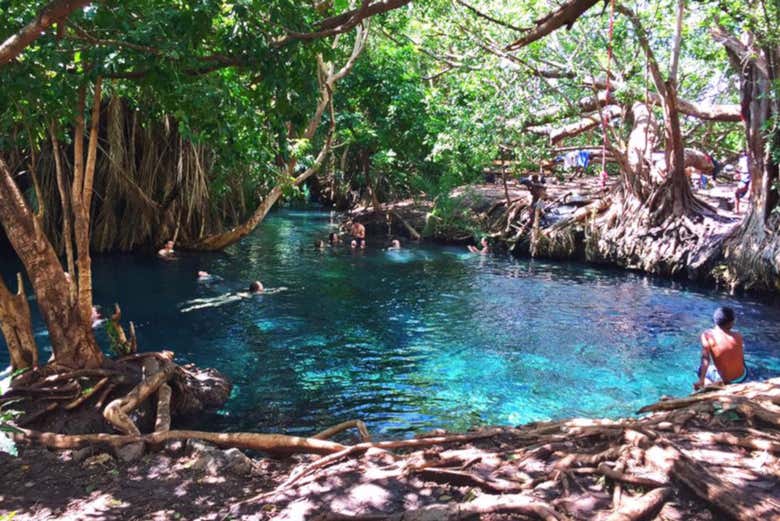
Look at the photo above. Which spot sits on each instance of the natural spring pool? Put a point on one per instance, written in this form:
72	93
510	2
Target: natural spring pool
427	337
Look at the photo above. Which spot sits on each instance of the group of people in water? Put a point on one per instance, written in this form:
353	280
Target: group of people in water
722	348
356	235
255	287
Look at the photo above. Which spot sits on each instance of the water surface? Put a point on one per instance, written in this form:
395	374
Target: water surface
427	337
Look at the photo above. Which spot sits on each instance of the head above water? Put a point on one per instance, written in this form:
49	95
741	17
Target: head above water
484	242
724	317
256	287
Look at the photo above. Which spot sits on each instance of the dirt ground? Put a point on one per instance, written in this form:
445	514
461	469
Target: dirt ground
707	457
44	485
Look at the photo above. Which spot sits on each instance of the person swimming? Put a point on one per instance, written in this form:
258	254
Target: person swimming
334	239
319	245
395	245
255	288
726	349
485	247
167	250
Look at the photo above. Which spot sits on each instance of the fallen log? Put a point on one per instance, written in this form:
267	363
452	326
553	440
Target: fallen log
414	234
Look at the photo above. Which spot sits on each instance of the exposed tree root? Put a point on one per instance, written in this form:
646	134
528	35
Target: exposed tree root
271	443
622	470
553	470
116	412
163	421
357	424
646	507
86	394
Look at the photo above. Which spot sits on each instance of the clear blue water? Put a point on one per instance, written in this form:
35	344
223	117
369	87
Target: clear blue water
428	337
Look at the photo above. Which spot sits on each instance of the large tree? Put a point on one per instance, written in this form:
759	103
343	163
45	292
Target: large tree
59	59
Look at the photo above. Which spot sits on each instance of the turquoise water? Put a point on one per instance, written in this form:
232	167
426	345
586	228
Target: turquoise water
423	338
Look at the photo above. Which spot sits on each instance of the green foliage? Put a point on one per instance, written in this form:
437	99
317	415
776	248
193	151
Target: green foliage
451	217
7	416
424	109
116	347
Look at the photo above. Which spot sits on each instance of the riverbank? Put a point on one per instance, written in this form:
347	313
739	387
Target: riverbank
713	455
576	220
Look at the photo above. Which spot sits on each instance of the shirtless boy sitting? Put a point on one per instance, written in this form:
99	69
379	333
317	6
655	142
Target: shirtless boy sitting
725	347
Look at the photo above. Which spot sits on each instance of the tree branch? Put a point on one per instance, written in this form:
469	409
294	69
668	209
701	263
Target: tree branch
55	12
488	17
566	15
344	22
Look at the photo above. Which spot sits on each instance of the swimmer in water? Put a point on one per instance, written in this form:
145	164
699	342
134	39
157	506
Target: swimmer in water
166	251
205	276
319	245
334	239
395	245
256	288
485	247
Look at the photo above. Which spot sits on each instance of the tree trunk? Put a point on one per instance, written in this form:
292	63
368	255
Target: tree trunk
81	196
71	339
16	325
752	253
